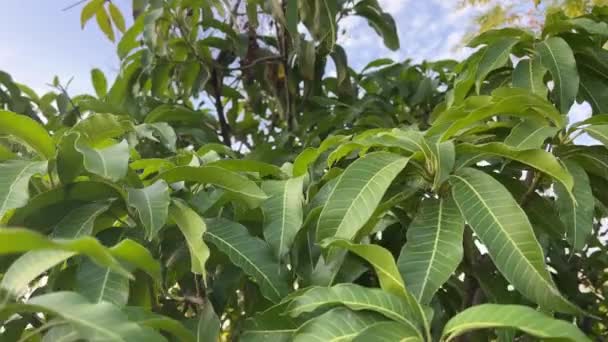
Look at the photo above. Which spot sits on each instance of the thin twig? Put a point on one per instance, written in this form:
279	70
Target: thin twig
73	5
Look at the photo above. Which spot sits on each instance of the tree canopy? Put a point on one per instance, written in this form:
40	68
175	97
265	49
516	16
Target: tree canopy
238	181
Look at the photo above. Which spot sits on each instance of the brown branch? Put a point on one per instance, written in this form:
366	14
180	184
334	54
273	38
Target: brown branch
219	107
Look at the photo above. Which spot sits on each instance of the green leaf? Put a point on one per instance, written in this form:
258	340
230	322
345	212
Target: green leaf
97	322
339	324
103	20
18	240
27	131
292	19
310	154
238	185
529	74
558	58
270	325
161	129
536	158
193	228
6	153
592	88
599	132
246	165
519	317
99	83
388	332
576	212
282	213
502	226
14	181
433	249
111	162
354	297
529	135
98	128
89	10
251	254
29	267
99	284
152	206
444	157
155	321
388	275
208	327
80	221
382	22
117	18
357	194
128	42
494	56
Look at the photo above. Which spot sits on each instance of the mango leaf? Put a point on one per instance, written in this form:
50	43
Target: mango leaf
282	213
193	228
388	332
27	131
89	10
529	74
99	83
98	128
502	226
338	324
6	153
29	267
152	206
536	158
243	165
240	186
443	155
556	55
117	18
251	254
18	240
96	322
357	193
382	22
310	154
576	212
149	319
270	325
354	297
433	249
388	275
592	88
111	162
165	133
79	221
128	42
529	135
103	20
208	325
519	317
599	132
14	180
494	56
99	284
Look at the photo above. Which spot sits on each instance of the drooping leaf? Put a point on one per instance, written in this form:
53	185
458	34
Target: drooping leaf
433	249
282	213
89	10
152	206
339	324
556	55
128	42
27	131
599	132
592	88
382	22
354	297
537	158
357	193
164	131
18	240
241	186
519	317
193	228
251	254
96	322
97	284
502	226
576	212
208	327
388	332
117	18
103	20
388	275
14	180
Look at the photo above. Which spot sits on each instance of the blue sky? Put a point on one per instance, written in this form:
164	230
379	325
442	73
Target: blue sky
39	40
